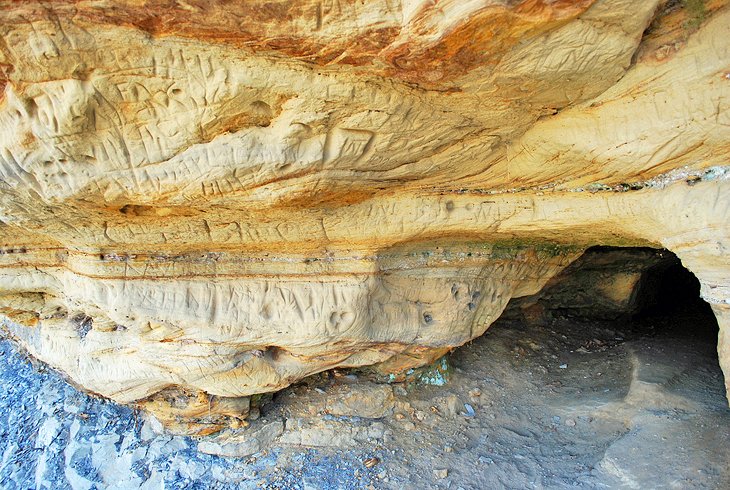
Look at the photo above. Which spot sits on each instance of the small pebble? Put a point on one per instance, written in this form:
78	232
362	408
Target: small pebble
440	474
371	462
408	426
570	422
563	366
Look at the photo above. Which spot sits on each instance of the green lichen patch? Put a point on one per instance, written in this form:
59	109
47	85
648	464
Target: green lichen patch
696	13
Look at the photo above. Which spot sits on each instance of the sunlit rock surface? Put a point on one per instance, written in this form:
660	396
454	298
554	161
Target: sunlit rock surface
202	201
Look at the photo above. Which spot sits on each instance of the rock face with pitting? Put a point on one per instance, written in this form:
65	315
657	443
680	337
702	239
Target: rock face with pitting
202	201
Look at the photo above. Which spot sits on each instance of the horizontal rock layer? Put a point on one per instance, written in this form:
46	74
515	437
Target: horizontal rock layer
201	201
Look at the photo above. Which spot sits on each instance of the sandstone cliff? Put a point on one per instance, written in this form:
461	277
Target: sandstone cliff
201	200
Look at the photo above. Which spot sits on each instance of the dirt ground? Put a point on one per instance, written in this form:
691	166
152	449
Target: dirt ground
562	403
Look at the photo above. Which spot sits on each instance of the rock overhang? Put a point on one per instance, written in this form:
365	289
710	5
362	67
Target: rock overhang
238	195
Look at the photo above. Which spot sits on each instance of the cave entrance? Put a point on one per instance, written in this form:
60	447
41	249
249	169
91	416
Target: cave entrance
640	291
616	321
608	375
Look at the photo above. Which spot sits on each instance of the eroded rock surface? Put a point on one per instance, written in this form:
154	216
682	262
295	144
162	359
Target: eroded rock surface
201	201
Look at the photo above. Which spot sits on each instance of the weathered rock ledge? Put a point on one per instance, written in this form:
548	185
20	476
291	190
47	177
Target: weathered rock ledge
202	201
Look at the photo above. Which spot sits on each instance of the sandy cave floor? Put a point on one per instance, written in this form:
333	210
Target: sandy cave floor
569	403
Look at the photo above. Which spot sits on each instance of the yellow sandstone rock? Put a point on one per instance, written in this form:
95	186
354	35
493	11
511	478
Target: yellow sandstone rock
201	201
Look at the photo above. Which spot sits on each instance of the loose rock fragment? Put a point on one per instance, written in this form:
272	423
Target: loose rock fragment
441	474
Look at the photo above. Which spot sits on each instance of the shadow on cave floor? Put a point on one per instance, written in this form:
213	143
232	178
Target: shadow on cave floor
633	404
567	389
620	392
